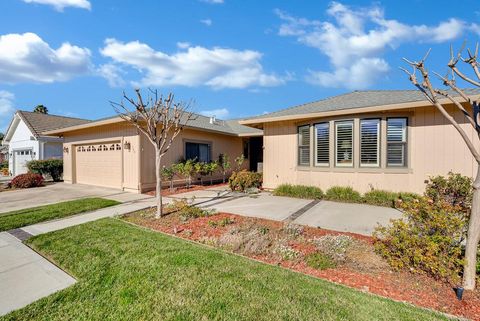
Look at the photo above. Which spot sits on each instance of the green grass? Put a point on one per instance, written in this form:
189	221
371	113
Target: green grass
129	273
16	219
343	194
298	191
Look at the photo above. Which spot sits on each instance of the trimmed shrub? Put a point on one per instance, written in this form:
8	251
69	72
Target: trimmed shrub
27	180
52	167
428	239
4	164
299	191
381	198
244	180
319	261
454	189
343	194
187	211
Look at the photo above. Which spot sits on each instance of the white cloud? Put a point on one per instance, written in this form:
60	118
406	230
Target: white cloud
213	1
27	58
221	113
360	75
354	40
6	108
207	22
217	68
183	45
112	73
59	5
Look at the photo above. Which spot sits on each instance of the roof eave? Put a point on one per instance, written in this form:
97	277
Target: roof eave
415	104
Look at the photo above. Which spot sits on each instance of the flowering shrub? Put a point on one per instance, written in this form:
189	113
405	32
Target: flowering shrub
455	189
243	180
334	246
27	180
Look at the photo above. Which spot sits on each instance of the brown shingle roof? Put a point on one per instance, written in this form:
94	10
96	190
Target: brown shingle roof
39	123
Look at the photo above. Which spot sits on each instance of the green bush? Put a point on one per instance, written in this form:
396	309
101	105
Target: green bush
4	164
299	191
454	189
52	167
343	194
427	239
243	180
27	180
319	261
381	198
187	211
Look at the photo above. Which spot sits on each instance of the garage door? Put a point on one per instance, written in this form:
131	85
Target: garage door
99	164
21	158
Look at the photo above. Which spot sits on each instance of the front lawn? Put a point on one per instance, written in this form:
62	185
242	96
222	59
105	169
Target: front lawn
16	219
126	272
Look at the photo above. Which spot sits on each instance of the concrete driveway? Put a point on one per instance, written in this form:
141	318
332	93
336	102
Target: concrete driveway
59	192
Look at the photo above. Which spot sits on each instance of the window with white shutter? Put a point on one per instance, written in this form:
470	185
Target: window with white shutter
344	144
396	142
370	142
322	144
304	145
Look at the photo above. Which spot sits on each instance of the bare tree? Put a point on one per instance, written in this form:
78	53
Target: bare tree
460	99
160	119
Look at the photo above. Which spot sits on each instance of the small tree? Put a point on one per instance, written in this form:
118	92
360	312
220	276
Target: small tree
239	162
211	168
40	109
168	173
160	119
457	97
224	162
201	169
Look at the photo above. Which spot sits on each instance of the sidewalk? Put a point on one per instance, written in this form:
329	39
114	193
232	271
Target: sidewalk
26	276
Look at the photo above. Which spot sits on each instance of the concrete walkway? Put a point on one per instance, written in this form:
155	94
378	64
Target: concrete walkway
26	276
60	192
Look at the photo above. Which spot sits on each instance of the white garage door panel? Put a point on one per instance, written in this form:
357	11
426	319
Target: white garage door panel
99	164
21	158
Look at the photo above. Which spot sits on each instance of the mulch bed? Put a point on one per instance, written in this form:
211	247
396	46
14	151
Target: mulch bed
183	189
417	289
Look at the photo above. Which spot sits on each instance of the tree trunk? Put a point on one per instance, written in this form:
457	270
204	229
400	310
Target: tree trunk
158	166
473	235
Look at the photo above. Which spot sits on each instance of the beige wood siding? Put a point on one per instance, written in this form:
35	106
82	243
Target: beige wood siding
434	148
128	161
220	144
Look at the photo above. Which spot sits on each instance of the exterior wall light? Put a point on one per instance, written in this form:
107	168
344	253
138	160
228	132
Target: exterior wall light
65	149
126	145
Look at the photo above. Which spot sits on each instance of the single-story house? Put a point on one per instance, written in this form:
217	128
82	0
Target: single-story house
112	153
26	141
383	139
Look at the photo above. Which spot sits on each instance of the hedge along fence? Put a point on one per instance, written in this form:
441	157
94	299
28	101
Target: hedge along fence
52	167
345	194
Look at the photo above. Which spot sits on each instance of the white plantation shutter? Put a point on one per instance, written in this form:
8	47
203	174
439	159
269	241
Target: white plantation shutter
322	144
397	142
304	145
369	142
344	144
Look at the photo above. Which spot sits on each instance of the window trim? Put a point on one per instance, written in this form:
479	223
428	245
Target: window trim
299	146
379	143
405	143
352	164
315	145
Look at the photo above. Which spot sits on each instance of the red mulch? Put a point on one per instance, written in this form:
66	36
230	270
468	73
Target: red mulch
183	189
417	289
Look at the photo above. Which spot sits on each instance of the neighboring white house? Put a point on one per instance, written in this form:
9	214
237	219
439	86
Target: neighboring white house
25	142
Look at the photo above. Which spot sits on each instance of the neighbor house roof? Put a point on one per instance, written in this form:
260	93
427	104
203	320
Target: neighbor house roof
39	123
356	101
228	127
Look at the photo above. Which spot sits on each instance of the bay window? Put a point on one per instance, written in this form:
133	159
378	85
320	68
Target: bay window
304	145
344	143
322	144
397	142
370	142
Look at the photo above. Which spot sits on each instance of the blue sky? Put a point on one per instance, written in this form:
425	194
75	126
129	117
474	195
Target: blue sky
233	58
